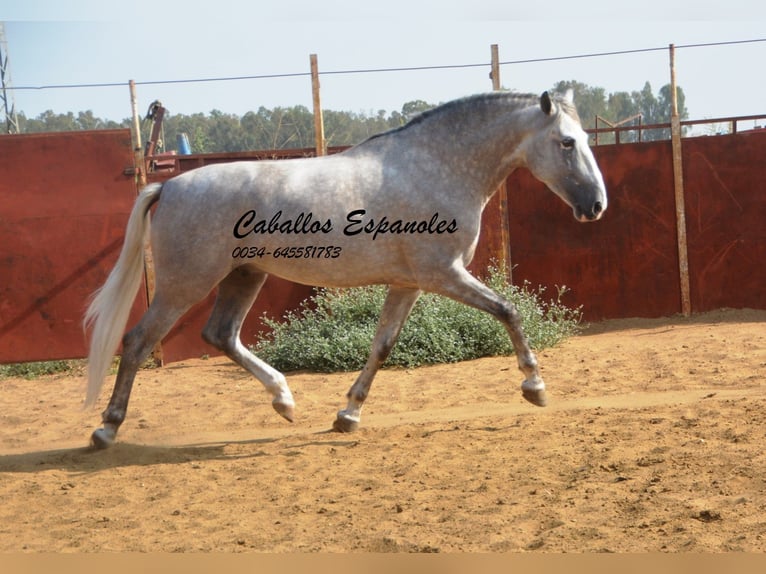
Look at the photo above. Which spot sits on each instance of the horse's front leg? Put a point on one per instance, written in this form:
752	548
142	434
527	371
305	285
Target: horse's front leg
396	309
469	290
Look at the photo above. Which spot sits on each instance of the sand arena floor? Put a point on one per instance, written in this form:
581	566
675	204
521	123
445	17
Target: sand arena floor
653	441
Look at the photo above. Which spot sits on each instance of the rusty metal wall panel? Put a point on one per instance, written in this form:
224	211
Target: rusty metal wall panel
624	265
726	220
488	249
64	203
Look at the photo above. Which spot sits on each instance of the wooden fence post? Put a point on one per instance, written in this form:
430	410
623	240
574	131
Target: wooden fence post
320	144
502	191
678	181
140	161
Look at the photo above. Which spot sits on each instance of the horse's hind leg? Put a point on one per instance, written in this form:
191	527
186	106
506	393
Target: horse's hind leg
396	309
236	294
136	346
467	289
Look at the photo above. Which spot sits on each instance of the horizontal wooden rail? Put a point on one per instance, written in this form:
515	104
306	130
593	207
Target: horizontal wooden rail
667	126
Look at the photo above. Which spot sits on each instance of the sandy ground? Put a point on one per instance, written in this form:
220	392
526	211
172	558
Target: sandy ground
653	441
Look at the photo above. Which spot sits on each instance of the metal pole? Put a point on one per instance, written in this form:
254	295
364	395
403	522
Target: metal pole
321	148
678	181
502	191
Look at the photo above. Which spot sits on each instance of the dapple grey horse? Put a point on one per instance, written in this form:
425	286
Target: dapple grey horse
403	209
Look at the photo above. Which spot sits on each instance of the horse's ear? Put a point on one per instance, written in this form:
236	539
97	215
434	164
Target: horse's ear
569	96
545	103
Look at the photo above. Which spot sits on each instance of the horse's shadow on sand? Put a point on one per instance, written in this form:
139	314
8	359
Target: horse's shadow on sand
87	460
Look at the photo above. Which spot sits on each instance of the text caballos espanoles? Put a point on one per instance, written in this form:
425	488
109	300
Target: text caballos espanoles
356	223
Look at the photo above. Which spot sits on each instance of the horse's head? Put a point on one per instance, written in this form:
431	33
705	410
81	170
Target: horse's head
560	157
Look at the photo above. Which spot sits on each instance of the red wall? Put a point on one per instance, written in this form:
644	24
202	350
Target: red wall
622	265
626	264
61	227
65	199
725	179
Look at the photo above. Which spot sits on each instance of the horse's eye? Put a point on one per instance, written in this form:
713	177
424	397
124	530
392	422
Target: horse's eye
568	143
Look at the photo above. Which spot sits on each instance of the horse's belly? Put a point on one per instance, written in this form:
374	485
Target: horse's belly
332	266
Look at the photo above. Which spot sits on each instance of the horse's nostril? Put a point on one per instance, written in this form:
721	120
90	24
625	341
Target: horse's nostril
597	208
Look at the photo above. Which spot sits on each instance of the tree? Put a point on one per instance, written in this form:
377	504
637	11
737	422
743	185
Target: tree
657	110
591	101
194	126
415	107
293	127
619	106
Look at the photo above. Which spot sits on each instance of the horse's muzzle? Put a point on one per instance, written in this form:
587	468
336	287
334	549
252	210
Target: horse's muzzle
592	213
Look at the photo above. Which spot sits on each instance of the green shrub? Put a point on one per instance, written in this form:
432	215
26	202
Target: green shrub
333	330
37	369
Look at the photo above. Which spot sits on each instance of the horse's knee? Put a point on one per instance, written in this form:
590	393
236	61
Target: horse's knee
510	315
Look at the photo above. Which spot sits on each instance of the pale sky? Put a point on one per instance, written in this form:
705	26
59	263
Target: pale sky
50	42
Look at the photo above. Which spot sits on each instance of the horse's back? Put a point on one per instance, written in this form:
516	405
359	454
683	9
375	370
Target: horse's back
353	218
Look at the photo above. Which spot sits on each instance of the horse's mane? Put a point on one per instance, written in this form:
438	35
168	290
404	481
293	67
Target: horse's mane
515	99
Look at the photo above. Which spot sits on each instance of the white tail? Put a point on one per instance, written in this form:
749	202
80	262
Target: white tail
108	312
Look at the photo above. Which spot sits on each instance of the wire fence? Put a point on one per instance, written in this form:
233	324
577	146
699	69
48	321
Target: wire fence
617	132
383	70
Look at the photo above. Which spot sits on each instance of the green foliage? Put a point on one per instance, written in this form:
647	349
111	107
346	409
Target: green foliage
264	129
38	369
51	122
333	331
72	367
293	127
593	101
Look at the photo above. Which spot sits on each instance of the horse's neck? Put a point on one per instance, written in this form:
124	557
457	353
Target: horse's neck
485	144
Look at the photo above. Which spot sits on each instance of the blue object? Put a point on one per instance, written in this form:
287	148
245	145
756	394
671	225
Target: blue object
182	141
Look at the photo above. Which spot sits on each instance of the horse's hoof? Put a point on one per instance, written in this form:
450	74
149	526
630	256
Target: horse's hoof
535	396
102	438
345	423
286	411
